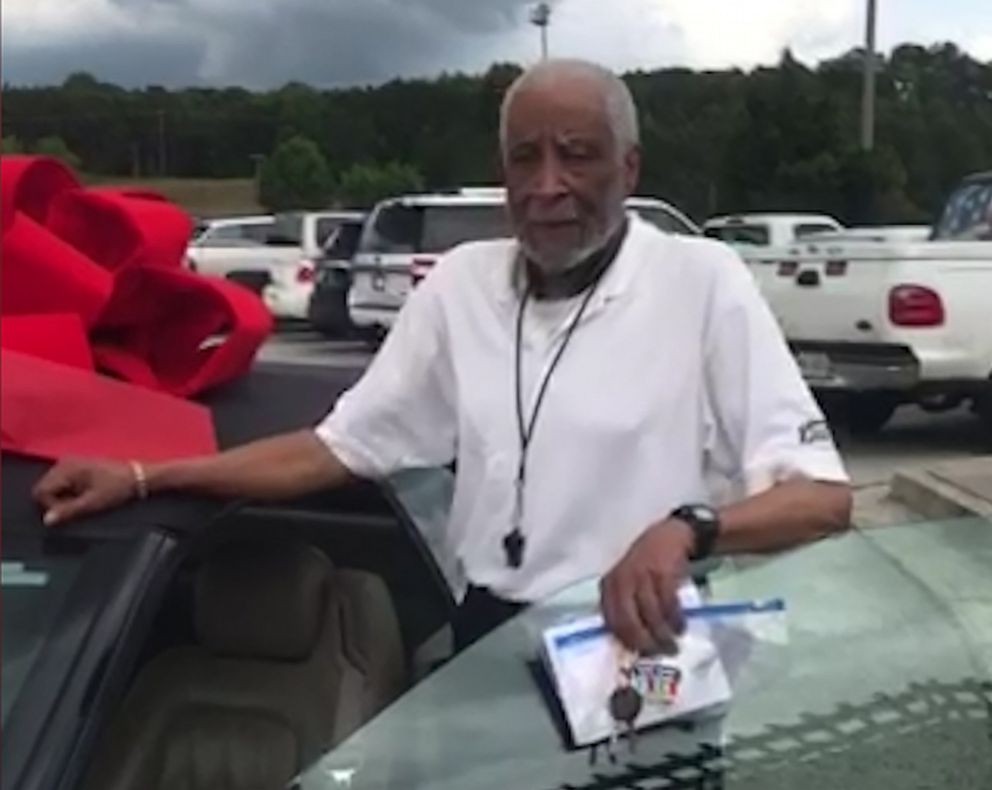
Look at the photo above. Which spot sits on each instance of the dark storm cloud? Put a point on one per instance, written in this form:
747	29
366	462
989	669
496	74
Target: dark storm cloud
324	42
141	60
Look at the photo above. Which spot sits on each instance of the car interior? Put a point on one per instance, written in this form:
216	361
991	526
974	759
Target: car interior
282	633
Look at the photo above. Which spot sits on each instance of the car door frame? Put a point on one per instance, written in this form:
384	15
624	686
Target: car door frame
98	633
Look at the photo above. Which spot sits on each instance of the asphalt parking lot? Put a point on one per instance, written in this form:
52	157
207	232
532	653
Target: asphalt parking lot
913	439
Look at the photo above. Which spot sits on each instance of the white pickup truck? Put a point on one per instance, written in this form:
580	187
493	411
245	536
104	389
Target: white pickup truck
240	249
272	255
876	324
776	229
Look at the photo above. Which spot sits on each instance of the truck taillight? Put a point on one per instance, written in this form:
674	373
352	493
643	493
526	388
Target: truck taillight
305	271
419	267
915	305
788	268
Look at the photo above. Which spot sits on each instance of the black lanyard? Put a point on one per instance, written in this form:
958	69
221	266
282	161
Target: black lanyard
514	543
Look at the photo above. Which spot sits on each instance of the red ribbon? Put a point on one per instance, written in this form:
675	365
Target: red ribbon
93	279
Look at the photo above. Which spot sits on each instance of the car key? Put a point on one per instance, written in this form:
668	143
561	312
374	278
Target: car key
625	706
620	703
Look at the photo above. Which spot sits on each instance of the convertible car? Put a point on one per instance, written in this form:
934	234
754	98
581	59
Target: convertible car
182	644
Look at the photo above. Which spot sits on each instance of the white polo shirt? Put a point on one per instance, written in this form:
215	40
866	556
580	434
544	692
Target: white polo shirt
677	381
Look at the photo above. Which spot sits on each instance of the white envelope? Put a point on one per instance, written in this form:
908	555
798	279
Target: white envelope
584	660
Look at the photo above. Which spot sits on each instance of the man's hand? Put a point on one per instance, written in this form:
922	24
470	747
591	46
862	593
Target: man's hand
74	488
639	597
274	469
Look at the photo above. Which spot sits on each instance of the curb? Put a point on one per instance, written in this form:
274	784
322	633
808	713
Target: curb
935	498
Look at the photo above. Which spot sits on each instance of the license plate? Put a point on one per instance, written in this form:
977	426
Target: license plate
813	365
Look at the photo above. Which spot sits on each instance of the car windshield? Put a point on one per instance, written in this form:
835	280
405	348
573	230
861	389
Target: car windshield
325	226
804	229
287	230
398	228
885	659
34	589
341	246
968	214
665	220
754	235
198	229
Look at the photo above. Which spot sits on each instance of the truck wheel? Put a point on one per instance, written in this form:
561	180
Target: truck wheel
868	414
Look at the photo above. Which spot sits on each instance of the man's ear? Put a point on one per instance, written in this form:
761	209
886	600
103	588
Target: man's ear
632	168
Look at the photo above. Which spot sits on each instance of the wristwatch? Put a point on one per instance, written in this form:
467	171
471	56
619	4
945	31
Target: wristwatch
704	522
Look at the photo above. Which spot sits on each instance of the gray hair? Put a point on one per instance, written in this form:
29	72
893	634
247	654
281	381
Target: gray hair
621	112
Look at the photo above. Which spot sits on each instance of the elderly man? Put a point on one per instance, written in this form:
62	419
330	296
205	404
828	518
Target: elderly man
592	377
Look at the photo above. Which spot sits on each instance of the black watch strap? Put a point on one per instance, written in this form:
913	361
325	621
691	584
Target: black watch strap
704	522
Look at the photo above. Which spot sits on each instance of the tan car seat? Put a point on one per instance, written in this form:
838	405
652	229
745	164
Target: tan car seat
292	656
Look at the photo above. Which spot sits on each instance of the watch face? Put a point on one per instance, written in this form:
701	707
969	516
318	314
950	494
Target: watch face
705	524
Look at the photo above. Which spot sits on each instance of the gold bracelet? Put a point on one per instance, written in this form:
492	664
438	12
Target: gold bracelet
140	479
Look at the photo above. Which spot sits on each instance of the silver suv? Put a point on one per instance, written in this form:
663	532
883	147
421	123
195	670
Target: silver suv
404	236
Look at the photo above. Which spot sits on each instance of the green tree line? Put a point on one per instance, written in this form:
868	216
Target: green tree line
783	137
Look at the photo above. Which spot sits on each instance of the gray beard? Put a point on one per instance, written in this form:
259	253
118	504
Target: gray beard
552	269
564	283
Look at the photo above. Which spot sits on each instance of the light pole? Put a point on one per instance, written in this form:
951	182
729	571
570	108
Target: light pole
541	16
870	74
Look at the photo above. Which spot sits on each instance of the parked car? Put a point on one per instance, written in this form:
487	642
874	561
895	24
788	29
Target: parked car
310	230
256	251
404	236
328	308
747	231
181	638
287	294
243	249
878	324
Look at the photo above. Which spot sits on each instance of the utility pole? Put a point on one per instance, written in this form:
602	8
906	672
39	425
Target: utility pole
541	17
870	79
258	160
161	144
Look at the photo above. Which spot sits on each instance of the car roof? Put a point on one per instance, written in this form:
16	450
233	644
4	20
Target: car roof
494	196
466	196
341	214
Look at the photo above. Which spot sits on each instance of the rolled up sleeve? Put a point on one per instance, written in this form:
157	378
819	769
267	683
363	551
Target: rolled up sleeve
765	427
401	413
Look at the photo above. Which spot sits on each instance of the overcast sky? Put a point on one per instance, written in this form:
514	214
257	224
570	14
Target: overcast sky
266	43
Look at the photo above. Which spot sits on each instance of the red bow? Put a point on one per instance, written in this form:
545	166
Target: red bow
93	279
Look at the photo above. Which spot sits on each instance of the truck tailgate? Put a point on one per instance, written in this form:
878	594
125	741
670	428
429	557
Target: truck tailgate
816	297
